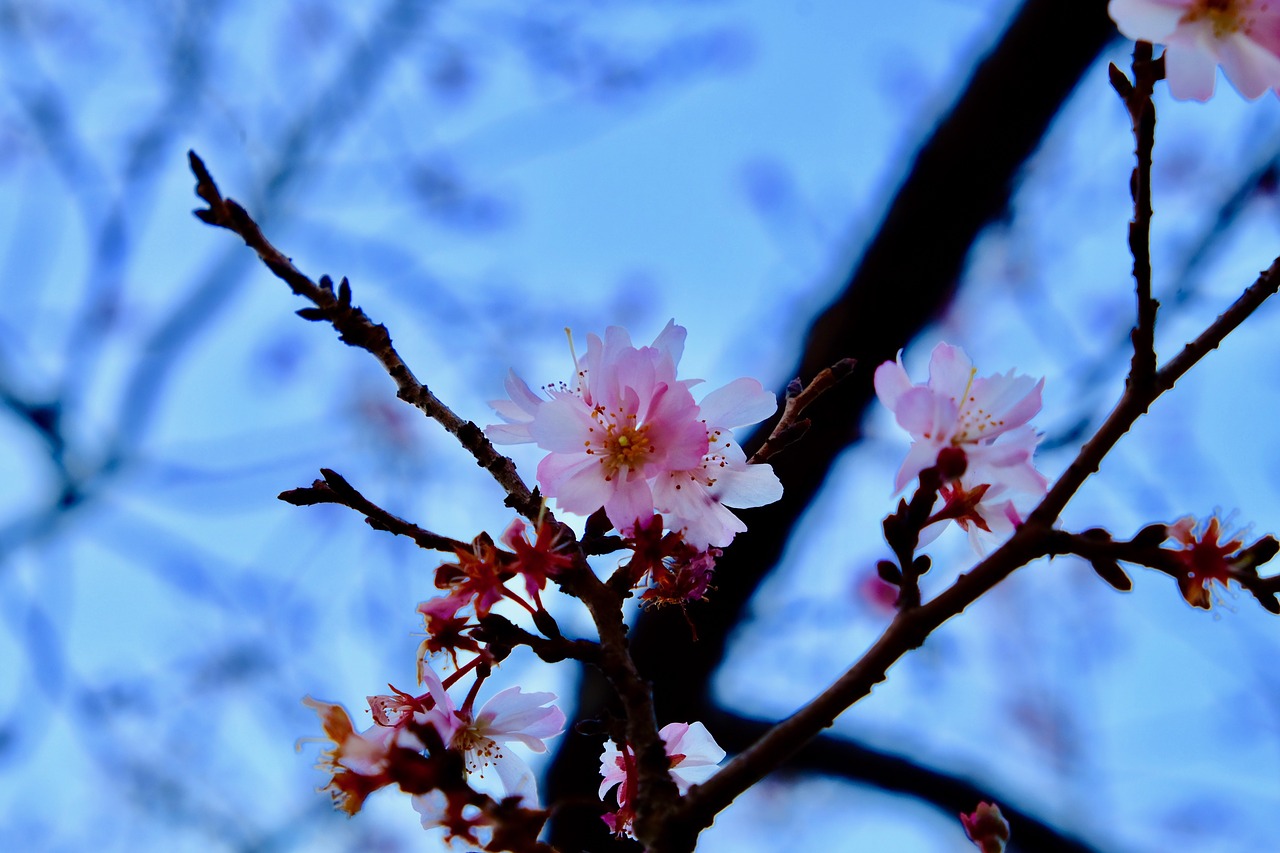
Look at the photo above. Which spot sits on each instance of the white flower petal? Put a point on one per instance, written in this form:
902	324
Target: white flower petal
743	401
1147	20
1190	71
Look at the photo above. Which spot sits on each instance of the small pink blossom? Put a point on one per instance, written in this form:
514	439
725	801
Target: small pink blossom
987	828
1243	36
628	436
694	755
985	418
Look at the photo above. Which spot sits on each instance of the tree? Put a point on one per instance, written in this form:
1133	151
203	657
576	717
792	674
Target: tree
233	661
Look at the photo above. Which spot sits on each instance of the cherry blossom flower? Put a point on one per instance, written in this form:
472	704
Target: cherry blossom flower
1204	558
982	511
1207	556
984	417
694	755
987	828
694	501
511	715
1243	36
628	436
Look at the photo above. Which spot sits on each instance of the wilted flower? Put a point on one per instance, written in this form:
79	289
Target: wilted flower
1203	558
537	560
446	630
361	762
1243	36
478	577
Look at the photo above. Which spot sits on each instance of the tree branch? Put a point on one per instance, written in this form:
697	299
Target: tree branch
356	329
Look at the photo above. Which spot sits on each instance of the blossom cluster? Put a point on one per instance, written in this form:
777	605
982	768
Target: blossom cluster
434	750
976	426
627	435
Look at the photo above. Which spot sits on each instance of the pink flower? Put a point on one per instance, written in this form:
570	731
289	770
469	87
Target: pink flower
984	417
984	512
694	501
986	828
1243	36
446	630
627	436
509	716
694	755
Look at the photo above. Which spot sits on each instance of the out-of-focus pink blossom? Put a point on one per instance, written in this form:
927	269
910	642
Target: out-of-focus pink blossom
987	828
694	755
628	436
1243	36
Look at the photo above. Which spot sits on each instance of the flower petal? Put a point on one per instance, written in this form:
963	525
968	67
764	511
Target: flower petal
743	401
1191	71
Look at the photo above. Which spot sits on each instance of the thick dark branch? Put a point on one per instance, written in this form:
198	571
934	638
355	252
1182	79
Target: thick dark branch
832	755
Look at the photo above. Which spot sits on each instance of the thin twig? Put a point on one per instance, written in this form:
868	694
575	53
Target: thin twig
356	329
334	489
1142	116
791	427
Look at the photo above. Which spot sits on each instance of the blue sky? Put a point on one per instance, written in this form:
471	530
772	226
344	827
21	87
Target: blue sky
493	175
